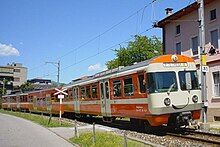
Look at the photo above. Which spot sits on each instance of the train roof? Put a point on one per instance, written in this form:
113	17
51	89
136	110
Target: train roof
112	72
120	71
16	94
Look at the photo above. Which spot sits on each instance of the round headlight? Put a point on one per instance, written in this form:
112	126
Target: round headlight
195	98
167	101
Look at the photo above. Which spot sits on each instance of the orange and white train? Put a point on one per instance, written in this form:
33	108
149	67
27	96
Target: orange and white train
162	90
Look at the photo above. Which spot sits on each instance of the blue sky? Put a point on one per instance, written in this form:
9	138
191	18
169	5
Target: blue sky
35	31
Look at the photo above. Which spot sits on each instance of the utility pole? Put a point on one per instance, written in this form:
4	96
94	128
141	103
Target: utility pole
203	59
57	64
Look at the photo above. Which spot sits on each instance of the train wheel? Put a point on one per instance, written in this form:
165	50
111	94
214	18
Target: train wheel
108	119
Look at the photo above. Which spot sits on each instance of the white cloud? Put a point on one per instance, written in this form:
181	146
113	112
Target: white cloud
8	50
104	68
94	67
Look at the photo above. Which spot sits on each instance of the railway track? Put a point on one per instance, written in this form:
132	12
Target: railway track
197	135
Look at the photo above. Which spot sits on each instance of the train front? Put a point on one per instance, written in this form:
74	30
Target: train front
174	92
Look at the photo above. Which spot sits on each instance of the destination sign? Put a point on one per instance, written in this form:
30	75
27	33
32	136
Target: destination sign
183	64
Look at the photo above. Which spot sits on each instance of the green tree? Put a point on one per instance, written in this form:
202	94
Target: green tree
26	87
142	48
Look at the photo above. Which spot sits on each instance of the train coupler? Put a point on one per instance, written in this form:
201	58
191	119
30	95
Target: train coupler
180	119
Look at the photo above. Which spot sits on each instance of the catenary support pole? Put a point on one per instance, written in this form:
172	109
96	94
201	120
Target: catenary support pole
203	59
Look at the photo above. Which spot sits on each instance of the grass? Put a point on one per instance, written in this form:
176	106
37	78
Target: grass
215	129
103	139
41	120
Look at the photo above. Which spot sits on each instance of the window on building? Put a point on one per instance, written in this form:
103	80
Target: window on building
214	38
82	89
216	79
178	48
142	86
94	91
195	44
117	88
16	79
213	14
88	92
17	70
128	86
177	29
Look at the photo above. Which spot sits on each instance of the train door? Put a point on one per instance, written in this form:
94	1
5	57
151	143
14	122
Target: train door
35	102
18	101
105	98
76	99
9	101
48	102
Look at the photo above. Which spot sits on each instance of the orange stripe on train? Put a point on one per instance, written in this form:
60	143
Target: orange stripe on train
168	58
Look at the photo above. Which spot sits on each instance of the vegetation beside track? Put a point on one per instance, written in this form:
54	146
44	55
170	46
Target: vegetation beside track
39	119
103	139
215	129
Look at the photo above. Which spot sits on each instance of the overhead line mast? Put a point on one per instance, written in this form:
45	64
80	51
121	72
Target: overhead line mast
202	58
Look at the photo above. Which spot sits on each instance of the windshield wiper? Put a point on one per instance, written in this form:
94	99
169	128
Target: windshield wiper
170	88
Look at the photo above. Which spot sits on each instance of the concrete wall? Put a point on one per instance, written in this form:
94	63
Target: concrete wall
22	75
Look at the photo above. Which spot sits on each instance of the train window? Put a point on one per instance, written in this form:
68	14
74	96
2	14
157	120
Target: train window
30	99
82	89
70	94
25	98
142	83
107	90
117	88
194	80
94	91
128	86
88	92
162	82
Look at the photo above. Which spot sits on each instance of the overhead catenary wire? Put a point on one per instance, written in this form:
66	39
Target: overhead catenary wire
96	54
109	29
99	35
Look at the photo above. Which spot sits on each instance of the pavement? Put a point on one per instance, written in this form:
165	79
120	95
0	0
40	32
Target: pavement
18	132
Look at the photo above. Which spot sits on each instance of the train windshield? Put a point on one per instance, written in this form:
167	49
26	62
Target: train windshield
194	80
162	82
